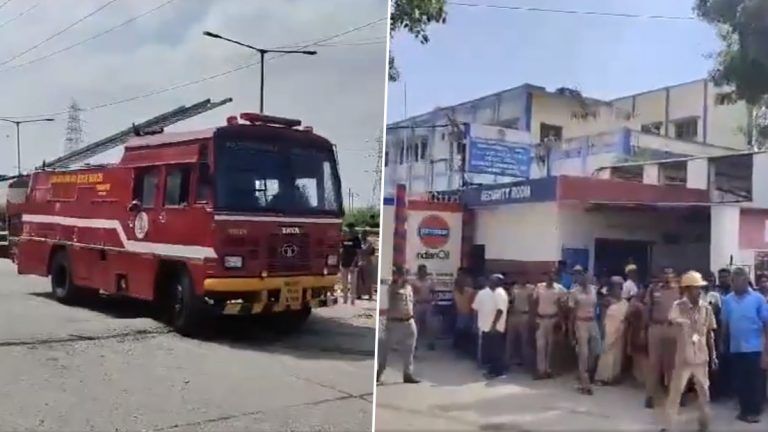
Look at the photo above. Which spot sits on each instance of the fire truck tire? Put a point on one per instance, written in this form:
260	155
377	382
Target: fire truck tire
289	321
188	312
62	287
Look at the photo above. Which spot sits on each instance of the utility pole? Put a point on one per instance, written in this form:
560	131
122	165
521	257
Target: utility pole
18	124
262	54
457	141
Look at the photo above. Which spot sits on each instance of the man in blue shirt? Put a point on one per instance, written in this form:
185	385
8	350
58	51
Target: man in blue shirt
745	321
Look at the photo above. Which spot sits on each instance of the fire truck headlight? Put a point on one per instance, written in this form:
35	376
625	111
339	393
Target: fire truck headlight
332	260
233	262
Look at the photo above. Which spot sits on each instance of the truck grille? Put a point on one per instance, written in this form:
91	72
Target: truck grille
288	253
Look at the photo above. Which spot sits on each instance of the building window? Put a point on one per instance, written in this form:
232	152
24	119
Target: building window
386	158
687	129
652	128
513	123
727	98
424	149
550	131
461	148
401	155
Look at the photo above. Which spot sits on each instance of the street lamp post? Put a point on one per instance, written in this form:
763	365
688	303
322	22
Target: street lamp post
262	54
18	124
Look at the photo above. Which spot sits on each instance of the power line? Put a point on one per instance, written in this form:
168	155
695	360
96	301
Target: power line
2	5
297	44
206	78
348	44
58	33
88	39
10	20
573	11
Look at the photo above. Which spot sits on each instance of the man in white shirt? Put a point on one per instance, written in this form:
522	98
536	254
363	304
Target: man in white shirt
630	285
491	304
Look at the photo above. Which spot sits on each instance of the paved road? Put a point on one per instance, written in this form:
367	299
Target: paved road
455	397
109	367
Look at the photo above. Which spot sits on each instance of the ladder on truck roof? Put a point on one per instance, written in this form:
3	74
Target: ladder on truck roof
161	121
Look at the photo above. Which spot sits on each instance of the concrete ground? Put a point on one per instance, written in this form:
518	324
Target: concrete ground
106	366
454	396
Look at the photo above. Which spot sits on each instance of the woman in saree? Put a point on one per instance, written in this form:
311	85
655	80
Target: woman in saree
610	363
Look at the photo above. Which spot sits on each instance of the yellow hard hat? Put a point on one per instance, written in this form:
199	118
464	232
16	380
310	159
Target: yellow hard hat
692	279
630	268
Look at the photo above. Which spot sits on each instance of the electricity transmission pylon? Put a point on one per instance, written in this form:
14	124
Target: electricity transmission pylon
74	134
376	189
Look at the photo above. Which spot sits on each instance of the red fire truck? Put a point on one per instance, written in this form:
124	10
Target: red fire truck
241	219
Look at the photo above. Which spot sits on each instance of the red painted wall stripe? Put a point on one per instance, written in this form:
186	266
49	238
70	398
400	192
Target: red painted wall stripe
398	243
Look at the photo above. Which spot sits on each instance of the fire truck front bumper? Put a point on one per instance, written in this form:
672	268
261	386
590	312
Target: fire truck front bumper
247	296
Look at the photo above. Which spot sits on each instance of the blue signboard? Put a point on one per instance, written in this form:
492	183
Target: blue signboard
496	157
537	190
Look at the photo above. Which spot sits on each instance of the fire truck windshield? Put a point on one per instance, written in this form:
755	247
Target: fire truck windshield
276	178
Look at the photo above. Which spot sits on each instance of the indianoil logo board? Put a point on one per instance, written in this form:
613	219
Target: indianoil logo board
434	232
433	238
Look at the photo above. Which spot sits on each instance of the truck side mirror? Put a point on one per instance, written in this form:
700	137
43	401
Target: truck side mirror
135	206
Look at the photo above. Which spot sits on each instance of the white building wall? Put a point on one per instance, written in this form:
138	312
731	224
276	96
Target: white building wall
559	110
724	123
760	180
525	232
725	126
439	170
687	101
724	242
698	174
678	147
579	229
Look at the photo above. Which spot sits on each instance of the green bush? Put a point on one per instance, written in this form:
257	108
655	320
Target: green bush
363	217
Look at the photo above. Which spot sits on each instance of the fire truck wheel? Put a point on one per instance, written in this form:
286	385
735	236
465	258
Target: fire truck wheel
187	313
64	290
289	321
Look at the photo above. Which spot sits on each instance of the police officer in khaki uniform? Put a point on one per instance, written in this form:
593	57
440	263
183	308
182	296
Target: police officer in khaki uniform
582	301
661	334
424	292
547	301
694	323
396	305
518	325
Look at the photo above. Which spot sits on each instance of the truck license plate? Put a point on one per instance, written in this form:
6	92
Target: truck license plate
293	296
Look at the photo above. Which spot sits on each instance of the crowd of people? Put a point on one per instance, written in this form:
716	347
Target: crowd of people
691	333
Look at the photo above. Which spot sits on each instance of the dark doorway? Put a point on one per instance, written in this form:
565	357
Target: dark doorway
613	255
477	260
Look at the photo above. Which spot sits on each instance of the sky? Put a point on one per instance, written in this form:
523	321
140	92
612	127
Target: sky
484	50
340	91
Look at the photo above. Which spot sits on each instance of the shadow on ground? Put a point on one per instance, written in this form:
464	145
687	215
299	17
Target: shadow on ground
321	337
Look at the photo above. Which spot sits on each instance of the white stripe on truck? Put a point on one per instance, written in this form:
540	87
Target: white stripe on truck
165	249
